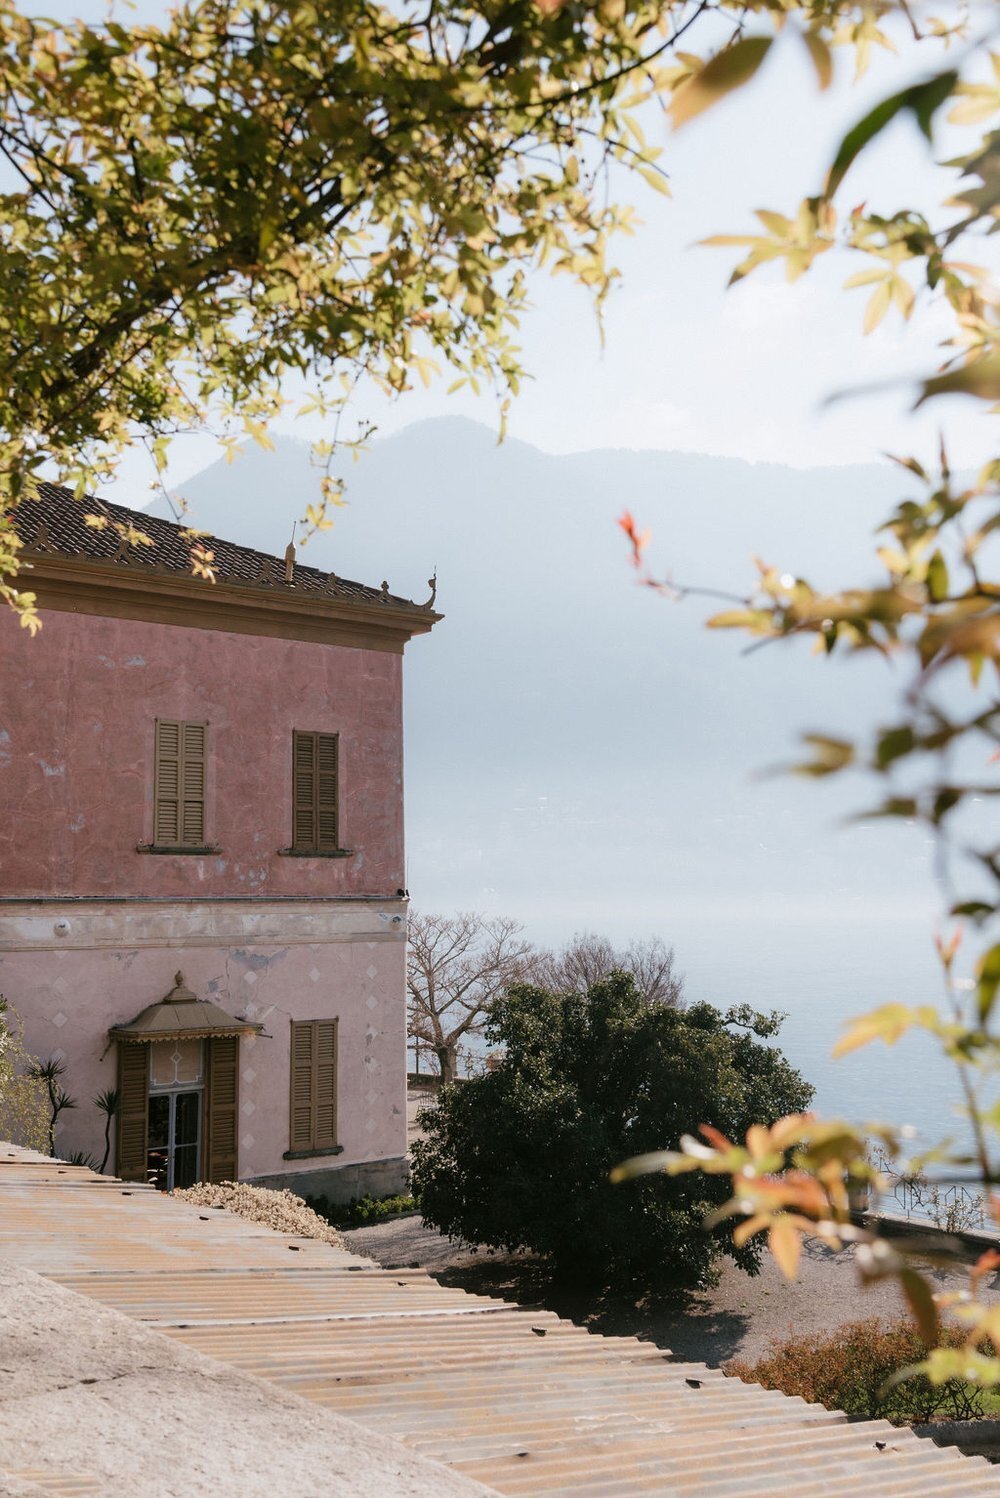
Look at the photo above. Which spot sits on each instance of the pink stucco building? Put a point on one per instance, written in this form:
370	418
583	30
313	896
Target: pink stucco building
201	853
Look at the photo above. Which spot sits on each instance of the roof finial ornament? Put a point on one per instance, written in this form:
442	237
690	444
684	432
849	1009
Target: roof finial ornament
333	583
180	993
42	541
266	574
385	591
122	553
290	557
432	583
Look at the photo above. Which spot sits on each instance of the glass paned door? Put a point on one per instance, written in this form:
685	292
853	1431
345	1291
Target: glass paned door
187	1138
174	1139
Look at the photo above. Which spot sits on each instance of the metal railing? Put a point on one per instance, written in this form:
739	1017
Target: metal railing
421	1059
955	1208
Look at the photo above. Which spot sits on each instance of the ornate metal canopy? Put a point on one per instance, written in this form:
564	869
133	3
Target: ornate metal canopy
181	1015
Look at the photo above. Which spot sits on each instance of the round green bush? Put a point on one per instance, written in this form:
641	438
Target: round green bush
519	1157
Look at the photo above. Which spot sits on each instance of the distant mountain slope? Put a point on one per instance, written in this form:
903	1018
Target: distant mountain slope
567	729
582	753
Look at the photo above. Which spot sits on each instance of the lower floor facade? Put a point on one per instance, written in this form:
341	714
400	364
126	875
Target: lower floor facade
255	1040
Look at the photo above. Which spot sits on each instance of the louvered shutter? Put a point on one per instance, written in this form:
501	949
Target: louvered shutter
313	1085
326	790
193	784
325	1132
167	784
133	1110
301	1125
221	1152
304	790
179	784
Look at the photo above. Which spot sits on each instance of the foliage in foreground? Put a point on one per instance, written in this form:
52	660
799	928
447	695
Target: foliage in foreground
851	1369
932	610
519	1157
203	207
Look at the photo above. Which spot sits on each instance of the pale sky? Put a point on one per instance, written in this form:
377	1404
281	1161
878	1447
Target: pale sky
687	365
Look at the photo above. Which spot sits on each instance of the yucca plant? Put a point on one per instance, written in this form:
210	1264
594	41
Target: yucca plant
107	1102
49	1072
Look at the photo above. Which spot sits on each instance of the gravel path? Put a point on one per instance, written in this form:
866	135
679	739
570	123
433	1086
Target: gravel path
739	1317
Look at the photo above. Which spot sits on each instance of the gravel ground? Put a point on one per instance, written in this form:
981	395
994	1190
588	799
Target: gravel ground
739	1317
279	1210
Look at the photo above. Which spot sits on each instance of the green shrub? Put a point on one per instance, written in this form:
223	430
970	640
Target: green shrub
849	1370
362	1211
519	1157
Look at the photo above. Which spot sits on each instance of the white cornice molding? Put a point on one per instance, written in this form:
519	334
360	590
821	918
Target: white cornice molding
83	926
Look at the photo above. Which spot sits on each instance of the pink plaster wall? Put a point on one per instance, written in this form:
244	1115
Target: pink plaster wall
67	999
77	711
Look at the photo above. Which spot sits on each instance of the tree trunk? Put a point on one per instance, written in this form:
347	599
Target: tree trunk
447	1056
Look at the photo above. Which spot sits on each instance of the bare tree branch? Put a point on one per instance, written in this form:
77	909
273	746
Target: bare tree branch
456	967
589	958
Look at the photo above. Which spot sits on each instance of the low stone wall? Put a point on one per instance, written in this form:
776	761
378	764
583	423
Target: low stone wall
971	1241
344	1183
970	1437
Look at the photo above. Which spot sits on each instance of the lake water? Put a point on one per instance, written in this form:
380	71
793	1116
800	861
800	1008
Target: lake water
821	973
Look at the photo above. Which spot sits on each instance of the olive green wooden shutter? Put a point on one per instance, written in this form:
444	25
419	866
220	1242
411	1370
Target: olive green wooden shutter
301	1126
221	1158
304	790
133	1110
325	1128
167	784
179	784
314	778
313	1085
326	790
193	784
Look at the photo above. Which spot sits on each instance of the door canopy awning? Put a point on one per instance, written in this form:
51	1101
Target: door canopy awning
181	1015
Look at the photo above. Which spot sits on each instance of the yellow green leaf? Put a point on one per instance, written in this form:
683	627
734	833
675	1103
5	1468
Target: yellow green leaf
822	58
785	1244
726	71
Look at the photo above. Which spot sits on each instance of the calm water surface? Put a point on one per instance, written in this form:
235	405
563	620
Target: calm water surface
821	974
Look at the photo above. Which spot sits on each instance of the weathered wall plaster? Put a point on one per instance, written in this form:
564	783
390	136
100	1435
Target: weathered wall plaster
77	711
68	994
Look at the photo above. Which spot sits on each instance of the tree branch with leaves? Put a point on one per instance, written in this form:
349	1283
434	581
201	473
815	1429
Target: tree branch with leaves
196	210
935	613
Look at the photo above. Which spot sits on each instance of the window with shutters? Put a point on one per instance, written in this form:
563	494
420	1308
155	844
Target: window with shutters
313	1116
179	785
178	1111
314	793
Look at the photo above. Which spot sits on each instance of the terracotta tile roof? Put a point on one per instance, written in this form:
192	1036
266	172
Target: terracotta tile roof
53	522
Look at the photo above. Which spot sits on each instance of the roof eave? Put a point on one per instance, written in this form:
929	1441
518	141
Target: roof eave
120	590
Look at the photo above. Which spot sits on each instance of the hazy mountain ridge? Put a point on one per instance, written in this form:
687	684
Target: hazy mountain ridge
582	753
555	689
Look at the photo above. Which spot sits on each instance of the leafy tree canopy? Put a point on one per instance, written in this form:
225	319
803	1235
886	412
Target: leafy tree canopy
193	210
520	1156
